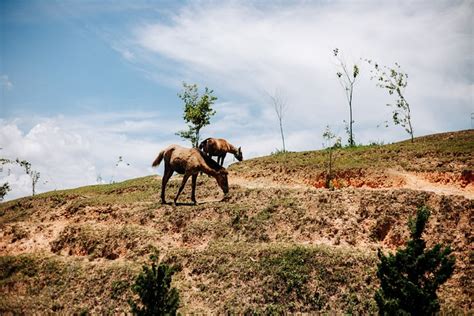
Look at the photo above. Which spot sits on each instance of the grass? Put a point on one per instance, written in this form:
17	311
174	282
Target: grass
99	241
444	149
273	278
231	277
37	283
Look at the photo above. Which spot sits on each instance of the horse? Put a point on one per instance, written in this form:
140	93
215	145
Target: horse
220	147
189	161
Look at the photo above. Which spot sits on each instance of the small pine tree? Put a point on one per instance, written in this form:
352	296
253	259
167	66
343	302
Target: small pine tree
409	279
153	286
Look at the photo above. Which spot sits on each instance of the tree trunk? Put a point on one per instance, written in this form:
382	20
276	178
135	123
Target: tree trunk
351	137
282	137
196	141
409	123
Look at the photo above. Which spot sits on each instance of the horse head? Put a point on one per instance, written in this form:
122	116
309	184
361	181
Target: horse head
222	180
239	155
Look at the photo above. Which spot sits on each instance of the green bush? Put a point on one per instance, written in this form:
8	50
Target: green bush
409	279
153	286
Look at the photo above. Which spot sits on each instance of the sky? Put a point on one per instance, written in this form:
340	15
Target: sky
86	82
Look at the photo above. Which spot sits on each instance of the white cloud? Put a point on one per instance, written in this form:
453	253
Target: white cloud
243	50
75	151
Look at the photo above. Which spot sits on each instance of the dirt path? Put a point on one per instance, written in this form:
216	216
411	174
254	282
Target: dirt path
262	183
412	182
415	182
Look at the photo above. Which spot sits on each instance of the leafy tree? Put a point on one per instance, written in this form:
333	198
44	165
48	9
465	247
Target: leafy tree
34	175
409	279
331	143
197	111
395	81
153	286
347	80
4	189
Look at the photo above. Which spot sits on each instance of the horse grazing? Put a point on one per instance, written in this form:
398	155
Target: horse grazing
189	161
220	147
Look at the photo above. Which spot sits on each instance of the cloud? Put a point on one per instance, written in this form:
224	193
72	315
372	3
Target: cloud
76	151
5	82
244	50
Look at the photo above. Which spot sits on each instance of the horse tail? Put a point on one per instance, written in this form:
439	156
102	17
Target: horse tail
158	159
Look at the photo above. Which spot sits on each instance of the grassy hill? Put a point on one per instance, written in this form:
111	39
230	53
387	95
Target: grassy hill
279	243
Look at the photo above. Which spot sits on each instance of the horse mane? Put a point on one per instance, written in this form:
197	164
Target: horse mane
201	145
210	162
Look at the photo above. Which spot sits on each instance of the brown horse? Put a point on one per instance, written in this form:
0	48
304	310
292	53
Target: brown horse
189	161
220	147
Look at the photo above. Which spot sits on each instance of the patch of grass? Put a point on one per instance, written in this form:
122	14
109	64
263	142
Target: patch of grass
64	286
119	287
271	278
290	272
441	149
102	242
12	265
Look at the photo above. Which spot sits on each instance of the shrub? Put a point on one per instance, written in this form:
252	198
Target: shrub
153	286
409	279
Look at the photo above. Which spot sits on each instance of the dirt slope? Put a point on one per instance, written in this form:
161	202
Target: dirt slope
77	251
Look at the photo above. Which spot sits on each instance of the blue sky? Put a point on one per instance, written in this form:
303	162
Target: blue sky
60	61
83	82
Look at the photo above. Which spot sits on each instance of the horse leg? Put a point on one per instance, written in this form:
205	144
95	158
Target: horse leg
193	191
185	179
222	159
166	176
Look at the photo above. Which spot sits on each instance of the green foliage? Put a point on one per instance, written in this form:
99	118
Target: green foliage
153	286
289	276
331	143
34	175
347	80
278	152
409	279
4	189
197	111
118	288
395	81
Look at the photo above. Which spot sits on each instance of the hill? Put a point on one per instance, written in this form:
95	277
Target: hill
279	243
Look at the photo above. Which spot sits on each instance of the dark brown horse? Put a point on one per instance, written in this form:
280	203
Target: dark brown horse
189	161
220	147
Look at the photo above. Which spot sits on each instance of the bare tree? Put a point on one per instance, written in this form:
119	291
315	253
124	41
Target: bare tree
347	80
279	103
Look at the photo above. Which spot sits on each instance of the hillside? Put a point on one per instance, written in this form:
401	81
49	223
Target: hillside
280	242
